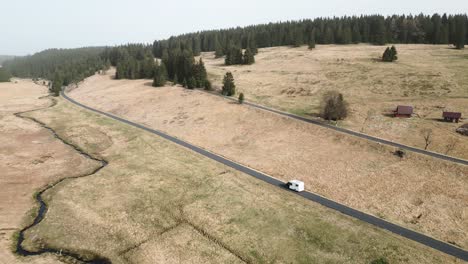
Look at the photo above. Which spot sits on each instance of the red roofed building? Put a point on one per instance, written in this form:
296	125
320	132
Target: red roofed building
403	111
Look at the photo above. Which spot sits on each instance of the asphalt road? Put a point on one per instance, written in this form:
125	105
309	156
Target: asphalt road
356	134
396	229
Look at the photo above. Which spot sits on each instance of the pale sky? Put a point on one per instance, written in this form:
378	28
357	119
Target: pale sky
29	26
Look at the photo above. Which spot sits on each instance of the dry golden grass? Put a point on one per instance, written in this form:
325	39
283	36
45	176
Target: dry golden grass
157	203
432	78
419	192
30	158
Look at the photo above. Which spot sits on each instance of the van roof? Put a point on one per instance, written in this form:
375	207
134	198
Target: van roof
296	182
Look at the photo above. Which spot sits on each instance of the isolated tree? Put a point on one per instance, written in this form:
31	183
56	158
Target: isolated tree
390	54
229	88
427	135
241	98
451	144
333	106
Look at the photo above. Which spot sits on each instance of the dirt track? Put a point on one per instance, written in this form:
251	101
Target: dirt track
421	193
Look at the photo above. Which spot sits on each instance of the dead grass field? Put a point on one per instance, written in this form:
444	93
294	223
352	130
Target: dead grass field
30	158
159	203
421	193
432	78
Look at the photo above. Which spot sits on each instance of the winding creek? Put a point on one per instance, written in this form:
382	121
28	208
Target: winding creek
43	208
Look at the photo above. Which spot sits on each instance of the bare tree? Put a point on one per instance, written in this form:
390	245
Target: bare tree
451	144
427	134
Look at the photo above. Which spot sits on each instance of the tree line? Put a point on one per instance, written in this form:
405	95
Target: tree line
375	29
4	75
61	66
137	61
176	60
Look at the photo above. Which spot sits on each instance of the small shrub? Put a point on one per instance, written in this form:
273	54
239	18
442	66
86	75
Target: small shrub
208	86
241	98
380	261
400	153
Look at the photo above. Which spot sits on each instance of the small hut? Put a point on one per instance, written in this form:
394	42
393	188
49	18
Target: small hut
451	116
403	111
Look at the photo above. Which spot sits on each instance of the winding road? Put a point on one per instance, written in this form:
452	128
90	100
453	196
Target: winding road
383	224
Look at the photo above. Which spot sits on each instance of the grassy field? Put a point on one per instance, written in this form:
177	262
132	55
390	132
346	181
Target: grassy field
421	193
159	203
432	78
30	158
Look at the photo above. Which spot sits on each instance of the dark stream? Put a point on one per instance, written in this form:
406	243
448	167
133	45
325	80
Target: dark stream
43	208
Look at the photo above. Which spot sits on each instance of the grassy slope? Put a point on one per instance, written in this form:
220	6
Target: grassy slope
157	202
432	78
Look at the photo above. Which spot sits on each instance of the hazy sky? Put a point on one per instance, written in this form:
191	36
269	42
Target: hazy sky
28	26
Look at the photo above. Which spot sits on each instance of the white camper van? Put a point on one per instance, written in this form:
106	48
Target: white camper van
296	185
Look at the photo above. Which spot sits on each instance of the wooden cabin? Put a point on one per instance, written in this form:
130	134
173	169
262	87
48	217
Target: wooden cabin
451	116
403	111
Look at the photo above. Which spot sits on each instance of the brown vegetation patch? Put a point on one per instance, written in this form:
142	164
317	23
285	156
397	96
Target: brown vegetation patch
363	175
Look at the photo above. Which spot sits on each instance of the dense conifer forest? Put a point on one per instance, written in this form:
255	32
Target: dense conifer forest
62	66
176	55
375	29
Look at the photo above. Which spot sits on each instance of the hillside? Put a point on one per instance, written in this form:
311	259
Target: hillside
431	78
416	191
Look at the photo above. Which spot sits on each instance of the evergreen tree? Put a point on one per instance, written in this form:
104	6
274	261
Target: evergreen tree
248	57
233	56
218	49
57	85
347	36
191	83
356	34
252	45
200	74
378	31
160	75
460	35
229	88
312	40
390	54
